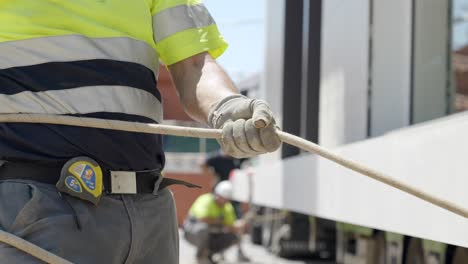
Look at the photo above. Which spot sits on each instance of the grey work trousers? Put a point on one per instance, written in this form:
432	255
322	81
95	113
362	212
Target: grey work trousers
201	235
136	229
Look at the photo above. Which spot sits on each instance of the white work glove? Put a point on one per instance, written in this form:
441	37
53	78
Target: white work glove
248	125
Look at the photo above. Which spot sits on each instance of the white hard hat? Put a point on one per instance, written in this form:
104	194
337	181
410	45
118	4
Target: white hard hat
224	189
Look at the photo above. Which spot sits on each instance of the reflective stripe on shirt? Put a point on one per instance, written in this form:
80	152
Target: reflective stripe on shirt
84	100
179	18
80	87
75	48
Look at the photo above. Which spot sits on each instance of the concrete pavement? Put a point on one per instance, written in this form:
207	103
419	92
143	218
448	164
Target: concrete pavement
257	254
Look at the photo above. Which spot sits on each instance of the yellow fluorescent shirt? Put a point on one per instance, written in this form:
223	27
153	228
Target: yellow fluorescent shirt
206	207
176	29
183	28
94	58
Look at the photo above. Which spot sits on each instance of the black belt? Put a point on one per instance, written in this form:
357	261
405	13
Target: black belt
145	180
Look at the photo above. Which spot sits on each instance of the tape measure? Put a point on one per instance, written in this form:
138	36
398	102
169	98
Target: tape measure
81	177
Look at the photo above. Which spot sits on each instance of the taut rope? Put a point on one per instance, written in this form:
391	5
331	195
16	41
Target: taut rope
202	133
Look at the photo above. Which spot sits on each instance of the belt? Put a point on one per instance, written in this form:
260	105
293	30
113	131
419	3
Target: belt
145	180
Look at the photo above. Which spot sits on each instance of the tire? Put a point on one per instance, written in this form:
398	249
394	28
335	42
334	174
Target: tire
256	234
256	227
414	252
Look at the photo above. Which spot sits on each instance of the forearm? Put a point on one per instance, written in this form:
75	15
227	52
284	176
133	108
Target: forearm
206	92
201	84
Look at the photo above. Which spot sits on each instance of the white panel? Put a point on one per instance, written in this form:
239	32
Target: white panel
300	185
271	86
272	79
267	189
241	184
430	156
344	71
391	65
431	46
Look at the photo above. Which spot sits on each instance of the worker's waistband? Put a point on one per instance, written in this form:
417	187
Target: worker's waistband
148	181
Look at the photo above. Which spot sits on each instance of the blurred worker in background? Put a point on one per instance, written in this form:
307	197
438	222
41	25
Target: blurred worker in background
211	225
93	195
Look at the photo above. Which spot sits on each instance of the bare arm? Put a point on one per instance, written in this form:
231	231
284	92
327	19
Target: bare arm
206	92
201	83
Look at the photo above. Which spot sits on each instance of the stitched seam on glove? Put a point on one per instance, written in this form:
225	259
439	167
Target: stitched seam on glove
215	115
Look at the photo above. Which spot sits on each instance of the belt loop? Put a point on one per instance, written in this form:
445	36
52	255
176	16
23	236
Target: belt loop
156	184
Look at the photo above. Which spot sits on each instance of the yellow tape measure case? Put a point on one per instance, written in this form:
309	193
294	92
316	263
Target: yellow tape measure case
82	177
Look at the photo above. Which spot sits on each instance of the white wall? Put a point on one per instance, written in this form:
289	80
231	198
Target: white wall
271	89
272	77
431	47
344	72
391	65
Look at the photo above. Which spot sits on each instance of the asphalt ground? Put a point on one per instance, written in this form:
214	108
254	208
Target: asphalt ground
257	254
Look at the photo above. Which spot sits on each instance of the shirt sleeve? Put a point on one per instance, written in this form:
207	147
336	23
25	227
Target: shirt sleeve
183	28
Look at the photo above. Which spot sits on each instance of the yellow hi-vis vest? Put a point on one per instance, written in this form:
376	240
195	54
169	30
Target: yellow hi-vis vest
205	206
94	58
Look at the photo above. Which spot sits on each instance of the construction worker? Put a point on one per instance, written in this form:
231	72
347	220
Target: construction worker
211	224
92	195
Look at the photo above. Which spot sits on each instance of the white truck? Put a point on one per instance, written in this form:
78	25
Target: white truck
427	156
374	81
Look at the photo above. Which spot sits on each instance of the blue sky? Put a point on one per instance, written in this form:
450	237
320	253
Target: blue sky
242	22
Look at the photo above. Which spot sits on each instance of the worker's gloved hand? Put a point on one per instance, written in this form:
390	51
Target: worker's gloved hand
248	126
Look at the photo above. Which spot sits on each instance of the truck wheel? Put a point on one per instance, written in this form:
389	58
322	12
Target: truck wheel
461	256
256	234
256	226
414	252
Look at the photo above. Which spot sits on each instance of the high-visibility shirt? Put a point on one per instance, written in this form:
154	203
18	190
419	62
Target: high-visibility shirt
205	206
93	58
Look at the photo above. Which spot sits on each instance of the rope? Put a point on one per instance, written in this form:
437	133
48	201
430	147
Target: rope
111	124
31	249
204	133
